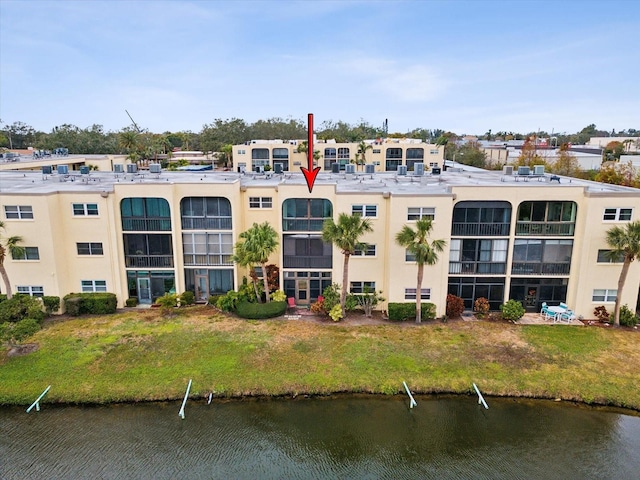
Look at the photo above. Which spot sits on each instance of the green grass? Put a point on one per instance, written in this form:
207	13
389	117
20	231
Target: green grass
142	356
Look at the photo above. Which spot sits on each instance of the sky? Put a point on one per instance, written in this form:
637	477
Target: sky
462	66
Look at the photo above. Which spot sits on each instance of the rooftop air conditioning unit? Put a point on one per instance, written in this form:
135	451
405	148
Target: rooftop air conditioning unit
418	169
349	168
507	170
132	168
118	168
46	169
435	171
369	168
84	170
335	168
524	171
155	168
402	170
63	169
538	169
278	168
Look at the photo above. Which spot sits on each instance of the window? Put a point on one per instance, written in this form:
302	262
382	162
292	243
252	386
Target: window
481	218
207	248
604	295
206	213
434	152
304	214
280	153
84	209
368	251
415	153
605	256
94	285
376	150
89	248
410	293
28	253
18	212
365	210
471	256
151	214
260	202
31	290
242	152
416	213
617	214
362	287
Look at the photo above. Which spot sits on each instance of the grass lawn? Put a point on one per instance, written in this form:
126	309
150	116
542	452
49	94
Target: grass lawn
140	356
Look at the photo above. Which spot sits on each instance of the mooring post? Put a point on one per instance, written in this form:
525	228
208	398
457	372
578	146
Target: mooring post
184	402
413	402
480	397
37	402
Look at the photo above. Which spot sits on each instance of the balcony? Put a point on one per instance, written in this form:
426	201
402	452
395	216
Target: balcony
527	268
146	224
190	259
148	261
480	229
300	261
206	223
472	268
302	224
545	228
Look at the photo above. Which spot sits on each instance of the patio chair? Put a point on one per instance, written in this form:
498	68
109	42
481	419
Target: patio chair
567	316
546	312
564	305
291	303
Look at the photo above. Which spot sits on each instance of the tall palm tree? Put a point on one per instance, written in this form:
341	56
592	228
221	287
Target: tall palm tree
259	242
345	234
417	243
11	245
625	243
361	155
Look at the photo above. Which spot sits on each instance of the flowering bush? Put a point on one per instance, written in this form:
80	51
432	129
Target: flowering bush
481	307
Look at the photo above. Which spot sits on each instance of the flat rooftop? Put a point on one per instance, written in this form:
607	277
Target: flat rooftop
34	182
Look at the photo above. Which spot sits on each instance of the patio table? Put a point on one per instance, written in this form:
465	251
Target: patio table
557	311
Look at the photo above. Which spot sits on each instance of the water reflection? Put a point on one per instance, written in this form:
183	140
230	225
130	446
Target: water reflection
370	437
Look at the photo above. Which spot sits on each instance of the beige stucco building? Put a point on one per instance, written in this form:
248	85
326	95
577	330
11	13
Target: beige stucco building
143	234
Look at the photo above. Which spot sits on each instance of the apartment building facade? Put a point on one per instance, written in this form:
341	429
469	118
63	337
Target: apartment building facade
142	235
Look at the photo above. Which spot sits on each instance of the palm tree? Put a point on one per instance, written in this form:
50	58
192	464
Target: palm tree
625	243
361	157
417	243
346	236
12	245
260	241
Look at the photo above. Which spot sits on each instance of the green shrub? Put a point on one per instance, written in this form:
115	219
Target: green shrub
399	312
131	302
512	310
213	299
3	297
331	295
51	303
261	310
187	298
229	301
21	307
96	303
15	333
278	296
627	317
167	302
336	313
455	306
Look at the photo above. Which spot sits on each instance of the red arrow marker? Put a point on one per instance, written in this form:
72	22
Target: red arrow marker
310	173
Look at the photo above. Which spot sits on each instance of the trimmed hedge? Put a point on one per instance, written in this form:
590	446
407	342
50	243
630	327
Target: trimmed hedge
131	302
20	307
95	303
399	312
51	303
261	310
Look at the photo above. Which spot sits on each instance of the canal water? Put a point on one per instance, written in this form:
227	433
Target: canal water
321	438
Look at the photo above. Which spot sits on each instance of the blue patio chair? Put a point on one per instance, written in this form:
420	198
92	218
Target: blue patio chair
567	316
545	311
564	305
